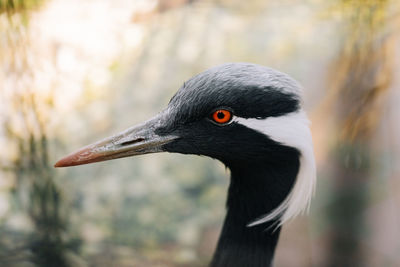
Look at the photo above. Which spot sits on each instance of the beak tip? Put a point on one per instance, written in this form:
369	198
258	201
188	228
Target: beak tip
83	156
60	163
70	160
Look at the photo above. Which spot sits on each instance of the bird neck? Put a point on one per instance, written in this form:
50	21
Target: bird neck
255	190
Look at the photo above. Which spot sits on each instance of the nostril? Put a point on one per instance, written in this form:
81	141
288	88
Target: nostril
131	142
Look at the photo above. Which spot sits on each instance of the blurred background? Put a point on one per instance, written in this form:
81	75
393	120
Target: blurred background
72	72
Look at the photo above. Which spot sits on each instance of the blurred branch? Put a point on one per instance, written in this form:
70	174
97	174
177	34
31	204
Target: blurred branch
361	77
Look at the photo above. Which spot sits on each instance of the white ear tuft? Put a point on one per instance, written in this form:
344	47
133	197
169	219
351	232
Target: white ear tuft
291	130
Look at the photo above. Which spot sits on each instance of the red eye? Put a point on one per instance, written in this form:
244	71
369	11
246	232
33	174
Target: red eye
222	116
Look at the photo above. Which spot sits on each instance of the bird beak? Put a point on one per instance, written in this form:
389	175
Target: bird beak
138	140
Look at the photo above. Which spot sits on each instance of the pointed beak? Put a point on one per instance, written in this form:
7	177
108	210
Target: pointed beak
138	140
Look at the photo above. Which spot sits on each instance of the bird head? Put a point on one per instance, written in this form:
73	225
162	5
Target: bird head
238	113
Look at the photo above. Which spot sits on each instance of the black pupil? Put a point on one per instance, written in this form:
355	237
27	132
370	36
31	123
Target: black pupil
220	115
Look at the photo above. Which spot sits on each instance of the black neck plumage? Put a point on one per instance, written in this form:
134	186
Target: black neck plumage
255	190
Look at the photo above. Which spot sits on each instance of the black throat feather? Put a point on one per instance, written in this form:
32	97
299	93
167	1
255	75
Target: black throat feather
263	173
256	188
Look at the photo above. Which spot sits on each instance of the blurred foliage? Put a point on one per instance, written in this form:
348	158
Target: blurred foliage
33	192
11	6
